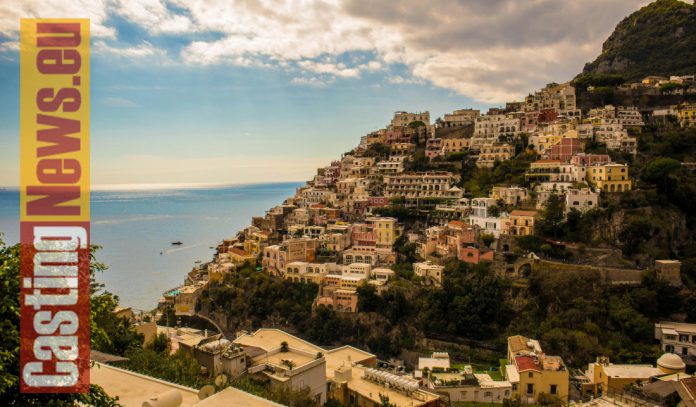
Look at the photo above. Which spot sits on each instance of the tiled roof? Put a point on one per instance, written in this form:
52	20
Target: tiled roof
238	252
525	363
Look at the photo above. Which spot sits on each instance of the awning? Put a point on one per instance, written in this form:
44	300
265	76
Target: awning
669	331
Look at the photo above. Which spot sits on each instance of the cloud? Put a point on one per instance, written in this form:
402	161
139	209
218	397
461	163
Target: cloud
12	46
153	15
490	50
144	49
312	81
399	80
95	10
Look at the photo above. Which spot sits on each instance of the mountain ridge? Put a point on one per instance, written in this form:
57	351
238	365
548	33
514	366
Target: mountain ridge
658	39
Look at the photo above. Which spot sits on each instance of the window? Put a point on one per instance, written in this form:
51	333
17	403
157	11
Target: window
553	389
488	394
531	375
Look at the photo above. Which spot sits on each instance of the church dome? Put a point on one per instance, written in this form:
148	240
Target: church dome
670	363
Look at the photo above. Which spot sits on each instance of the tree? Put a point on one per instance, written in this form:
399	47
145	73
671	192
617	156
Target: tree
368	300
9	342
159	343
487	239
552	222
284	347
659	171
634	234
384	401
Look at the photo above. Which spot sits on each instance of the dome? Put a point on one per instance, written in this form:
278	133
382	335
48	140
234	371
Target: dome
670	361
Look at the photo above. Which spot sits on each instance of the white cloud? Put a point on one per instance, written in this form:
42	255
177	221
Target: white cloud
144	49
491	50
9	46
398	80
95	10
312	81
153	15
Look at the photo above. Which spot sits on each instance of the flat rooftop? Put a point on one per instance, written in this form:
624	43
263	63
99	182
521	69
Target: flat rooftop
297	358
632	371
133	389
235	397
270	339
678	326
372	391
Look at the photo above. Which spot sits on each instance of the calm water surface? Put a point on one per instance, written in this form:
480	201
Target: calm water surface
133	227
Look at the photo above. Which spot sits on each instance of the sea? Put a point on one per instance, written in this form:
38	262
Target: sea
136	228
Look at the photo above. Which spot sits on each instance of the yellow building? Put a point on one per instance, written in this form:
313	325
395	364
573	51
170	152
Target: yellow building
385	230
256	242
603	377
687	116
522	222
490	153
532	372
455	145
544	142
239	256
185	302
610	177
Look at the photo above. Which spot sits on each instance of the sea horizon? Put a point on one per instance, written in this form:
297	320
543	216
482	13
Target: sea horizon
166	185
133	226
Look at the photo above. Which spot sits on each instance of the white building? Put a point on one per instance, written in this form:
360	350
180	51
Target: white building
677	337
428	270
581	199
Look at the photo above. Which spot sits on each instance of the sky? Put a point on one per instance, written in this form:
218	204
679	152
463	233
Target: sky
245	91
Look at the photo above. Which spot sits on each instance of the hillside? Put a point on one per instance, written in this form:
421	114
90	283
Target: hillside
658	39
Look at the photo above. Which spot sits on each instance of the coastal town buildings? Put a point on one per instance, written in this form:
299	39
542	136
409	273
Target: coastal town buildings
398	200
678	338
604	377
403	119
459	118
531	372
490	153
429	272
612	177
346	374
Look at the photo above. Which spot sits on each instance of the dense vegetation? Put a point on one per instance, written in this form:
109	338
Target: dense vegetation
106	330
658	39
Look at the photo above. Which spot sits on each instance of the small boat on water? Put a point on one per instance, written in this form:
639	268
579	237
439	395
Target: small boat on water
197	261
177	243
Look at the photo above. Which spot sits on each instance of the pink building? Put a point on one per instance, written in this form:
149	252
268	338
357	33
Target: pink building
395	135
377	201
565	150
474	255
433	147
363	235
586	160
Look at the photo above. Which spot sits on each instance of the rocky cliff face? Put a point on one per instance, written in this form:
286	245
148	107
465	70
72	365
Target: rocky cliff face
658	39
